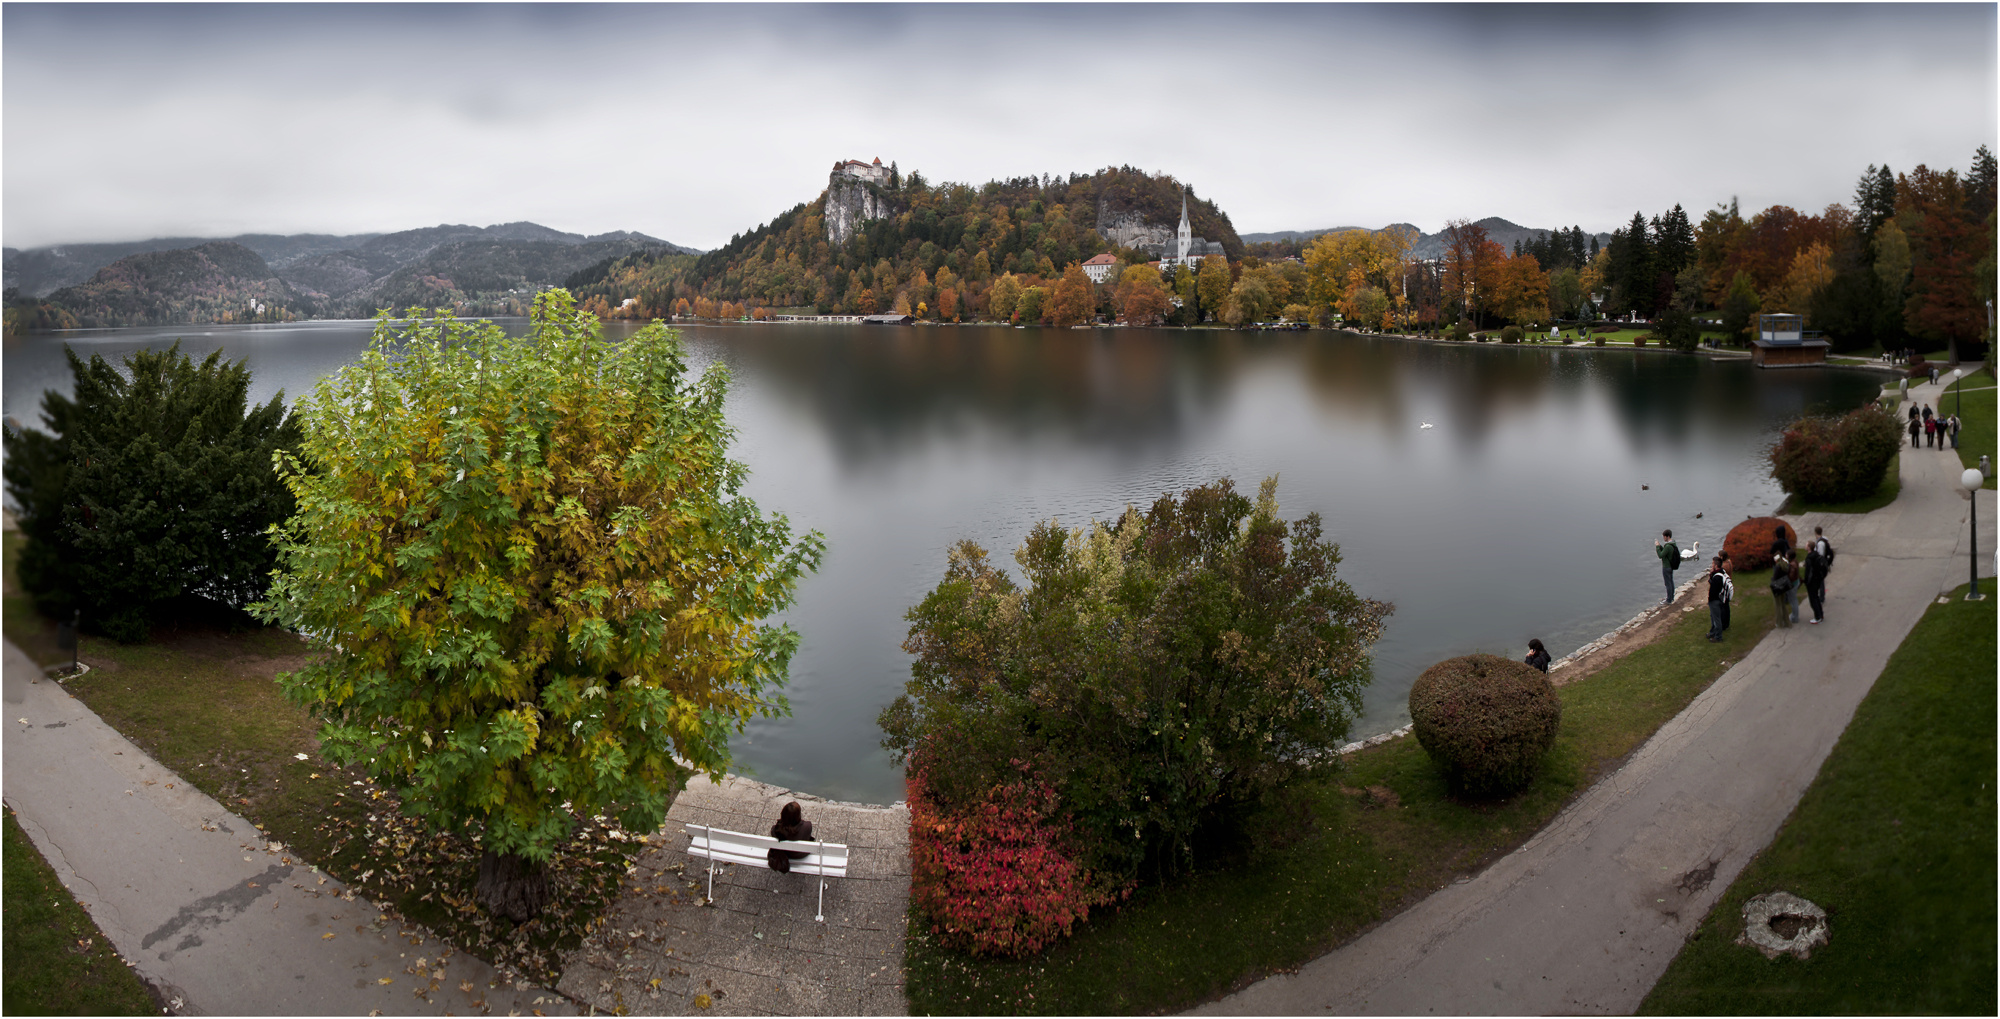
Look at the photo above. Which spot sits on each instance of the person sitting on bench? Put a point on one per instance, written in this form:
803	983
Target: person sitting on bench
791	827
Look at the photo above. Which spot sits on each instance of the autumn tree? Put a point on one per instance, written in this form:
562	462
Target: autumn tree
1945	236
530	578
1470	261
1002	296
1213	281
1074	298
1142	298
1521	290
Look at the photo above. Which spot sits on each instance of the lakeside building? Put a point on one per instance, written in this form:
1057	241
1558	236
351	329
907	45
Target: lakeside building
1099	267
1782	342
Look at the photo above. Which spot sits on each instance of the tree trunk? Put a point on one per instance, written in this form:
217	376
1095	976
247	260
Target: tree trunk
512	886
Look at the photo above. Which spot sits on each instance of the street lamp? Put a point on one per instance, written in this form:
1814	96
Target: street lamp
1972	481
1952	379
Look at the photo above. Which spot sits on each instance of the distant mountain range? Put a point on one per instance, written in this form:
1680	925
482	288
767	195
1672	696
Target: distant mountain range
267	277
1503	232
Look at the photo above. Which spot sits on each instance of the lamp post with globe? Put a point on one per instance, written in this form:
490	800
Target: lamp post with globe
1972	481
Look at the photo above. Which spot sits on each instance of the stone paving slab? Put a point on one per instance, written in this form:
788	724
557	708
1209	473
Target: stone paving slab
756	950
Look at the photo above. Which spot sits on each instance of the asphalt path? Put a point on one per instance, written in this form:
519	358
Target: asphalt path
1587	914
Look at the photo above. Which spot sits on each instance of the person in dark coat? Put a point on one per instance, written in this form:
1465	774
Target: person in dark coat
1728	588
1781	550
1538	656
1916	428
1781	587
1718	600
1819	562
791	827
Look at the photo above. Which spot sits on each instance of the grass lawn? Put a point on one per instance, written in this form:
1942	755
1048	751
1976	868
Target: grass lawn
58	962
1894	839
1977	435
203	702
1321	862
1892	486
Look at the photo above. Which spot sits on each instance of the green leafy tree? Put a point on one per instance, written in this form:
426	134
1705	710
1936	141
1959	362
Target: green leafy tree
156	483
1212	285
1155	670
531	577
1739	308
1676	328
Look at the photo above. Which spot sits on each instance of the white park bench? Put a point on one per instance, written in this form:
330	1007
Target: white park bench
823	859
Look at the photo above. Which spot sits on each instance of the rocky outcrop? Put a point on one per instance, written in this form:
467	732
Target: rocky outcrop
1130	230
850	202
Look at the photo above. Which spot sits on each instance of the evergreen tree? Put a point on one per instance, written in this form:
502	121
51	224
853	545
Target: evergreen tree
1874	202
156	483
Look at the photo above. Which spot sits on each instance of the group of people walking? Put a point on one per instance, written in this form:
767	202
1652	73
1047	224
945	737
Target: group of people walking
1790	571
1935	428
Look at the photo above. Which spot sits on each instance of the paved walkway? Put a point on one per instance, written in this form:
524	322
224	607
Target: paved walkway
757	949
1587	914
221	920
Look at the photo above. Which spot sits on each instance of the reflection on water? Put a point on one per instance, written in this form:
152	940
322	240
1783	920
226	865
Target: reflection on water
1520	514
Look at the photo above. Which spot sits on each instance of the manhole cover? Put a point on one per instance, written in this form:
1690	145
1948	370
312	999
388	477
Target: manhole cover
1780	923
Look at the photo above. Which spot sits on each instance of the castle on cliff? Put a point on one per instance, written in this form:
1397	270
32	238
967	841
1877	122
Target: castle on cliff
873	173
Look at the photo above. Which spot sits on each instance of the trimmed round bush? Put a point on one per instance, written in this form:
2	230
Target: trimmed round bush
1599	341
1460	331
1486	721
1511	334
1748	544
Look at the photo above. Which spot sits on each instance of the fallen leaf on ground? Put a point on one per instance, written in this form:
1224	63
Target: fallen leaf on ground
327	936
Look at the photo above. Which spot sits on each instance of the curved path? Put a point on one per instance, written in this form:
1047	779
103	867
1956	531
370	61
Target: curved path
1587	914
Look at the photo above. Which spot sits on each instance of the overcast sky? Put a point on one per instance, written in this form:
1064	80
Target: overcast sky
694	123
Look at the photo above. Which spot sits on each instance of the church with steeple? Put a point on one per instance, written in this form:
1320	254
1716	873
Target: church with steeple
1187	249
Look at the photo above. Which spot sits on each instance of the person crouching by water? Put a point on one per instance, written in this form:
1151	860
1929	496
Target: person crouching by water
791	827
1538	656
1718	600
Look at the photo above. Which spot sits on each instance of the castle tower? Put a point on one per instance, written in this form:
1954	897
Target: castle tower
1185	235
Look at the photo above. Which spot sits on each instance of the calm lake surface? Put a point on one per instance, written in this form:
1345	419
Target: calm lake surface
1519	514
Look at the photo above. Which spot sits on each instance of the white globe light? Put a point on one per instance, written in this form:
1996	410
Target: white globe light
1972	480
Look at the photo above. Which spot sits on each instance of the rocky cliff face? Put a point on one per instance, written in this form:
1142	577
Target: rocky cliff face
850	202
1130	230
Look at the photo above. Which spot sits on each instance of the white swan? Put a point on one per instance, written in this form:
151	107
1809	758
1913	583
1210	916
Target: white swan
1691	552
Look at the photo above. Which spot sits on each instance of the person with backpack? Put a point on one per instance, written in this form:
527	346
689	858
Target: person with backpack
1819	562
1670	560
1783	570
1781	548
1718	600
1916	428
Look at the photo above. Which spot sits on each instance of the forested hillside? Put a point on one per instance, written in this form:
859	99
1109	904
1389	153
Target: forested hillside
217	282
493	270
941	244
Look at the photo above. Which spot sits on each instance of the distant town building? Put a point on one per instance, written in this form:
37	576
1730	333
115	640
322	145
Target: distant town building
1100	267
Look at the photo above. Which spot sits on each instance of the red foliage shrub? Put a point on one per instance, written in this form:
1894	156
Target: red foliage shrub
1837	459
1749	543
995	879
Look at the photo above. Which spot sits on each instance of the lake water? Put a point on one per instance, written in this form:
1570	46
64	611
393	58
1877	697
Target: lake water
1519	514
